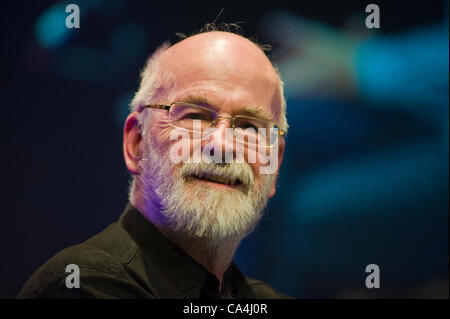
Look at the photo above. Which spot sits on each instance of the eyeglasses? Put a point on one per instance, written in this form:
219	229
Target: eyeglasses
198	119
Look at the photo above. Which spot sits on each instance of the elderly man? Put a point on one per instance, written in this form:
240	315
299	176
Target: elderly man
216	93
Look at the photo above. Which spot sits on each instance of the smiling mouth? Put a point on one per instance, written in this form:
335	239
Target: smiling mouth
224	180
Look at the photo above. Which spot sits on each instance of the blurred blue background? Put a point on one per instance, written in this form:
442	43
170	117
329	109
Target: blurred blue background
365	179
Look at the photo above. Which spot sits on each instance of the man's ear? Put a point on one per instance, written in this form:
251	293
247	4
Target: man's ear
132	138
281	145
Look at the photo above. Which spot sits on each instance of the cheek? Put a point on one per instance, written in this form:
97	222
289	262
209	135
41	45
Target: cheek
255	158
160	130
160	134
176	145
159	144
266	164
181	149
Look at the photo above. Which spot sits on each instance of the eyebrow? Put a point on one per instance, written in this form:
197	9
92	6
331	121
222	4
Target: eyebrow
195	98
258	112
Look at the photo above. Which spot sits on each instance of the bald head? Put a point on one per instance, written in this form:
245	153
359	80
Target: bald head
220	52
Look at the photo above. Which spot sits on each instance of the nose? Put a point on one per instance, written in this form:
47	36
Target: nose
220	142
222	120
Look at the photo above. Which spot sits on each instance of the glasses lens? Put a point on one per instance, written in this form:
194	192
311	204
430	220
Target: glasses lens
191	117
251	131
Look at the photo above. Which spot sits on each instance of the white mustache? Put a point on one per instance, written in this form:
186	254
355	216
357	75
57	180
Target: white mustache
229	171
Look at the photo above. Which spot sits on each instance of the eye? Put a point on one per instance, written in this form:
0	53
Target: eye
250	125
188	113
247	124
196	116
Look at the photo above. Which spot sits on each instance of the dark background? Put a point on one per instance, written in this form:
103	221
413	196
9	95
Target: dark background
64	178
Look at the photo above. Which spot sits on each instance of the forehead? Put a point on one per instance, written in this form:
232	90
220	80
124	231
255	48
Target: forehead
226	68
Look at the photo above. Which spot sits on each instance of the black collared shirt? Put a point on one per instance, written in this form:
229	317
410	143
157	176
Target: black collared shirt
132	259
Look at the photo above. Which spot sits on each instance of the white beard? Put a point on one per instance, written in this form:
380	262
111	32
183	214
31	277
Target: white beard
195	210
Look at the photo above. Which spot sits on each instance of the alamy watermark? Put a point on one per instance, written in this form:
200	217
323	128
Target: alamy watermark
373	19
373	279
73	19
73	279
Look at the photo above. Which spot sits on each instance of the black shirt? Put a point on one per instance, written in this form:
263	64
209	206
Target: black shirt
132	259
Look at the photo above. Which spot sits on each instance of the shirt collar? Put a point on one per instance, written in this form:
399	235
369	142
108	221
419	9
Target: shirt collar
180	275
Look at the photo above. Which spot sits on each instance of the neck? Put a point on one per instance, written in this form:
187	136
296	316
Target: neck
215	256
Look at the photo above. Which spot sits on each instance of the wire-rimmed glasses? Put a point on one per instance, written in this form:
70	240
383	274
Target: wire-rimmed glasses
194	118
